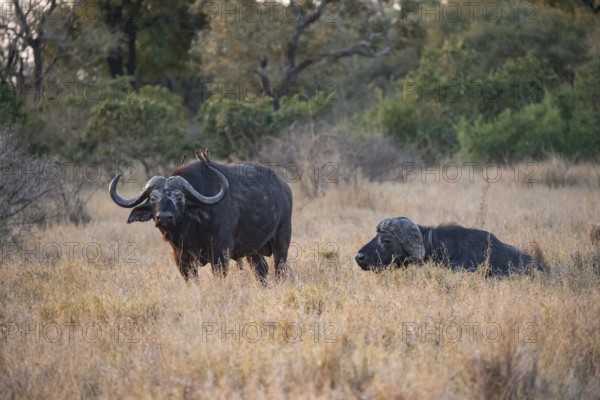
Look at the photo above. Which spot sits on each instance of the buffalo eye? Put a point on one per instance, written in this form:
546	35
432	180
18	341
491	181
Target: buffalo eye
153	199
179	198
385	241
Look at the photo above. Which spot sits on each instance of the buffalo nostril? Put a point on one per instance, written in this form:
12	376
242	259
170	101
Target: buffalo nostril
360	257
164	217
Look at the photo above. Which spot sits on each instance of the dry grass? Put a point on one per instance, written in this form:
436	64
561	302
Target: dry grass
128	326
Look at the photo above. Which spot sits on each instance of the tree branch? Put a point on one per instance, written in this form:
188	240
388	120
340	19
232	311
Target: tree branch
364	48
21	18
265	82
301	25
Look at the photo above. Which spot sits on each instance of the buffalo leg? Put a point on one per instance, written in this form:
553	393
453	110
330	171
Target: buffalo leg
240	263
186	266
280	245
219	265
260	267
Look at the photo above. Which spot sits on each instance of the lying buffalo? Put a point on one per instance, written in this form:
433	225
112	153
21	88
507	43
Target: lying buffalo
399	241
209	212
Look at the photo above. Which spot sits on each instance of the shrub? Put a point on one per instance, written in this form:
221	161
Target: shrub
426	125
482	74
535	131
148	127
32	192
519	82
319	162
566	123
233	127
11	107
582	125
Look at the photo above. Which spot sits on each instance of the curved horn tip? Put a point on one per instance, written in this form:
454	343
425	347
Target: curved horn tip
114	180
139	198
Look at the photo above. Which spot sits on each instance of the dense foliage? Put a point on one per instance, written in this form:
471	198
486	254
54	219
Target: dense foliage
500	88
237	127
148	127
118	80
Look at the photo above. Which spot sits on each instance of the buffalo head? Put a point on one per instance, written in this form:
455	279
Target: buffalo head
398	241
166	200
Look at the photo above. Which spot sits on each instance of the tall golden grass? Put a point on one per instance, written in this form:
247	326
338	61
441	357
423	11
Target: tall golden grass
101	311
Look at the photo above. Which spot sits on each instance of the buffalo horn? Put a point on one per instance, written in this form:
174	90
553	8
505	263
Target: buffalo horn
181	183
155	181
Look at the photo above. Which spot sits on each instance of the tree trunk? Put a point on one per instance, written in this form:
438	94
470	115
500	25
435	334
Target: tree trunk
114	59
131	33
36	46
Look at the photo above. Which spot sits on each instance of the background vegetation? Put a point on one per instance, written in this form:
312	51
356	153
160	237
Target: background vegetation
498	80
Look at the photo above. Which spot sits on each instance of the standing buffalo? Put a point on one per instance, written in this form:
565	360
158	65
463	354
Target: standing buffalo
400	241
209	212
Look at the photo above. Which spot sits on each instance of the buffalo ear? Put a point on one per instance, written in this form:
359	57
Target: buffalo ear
141	213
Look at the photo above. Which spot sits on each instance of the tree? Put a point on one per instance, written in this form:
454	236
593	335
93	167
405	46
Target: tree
24	27
150	37
147	127
268	46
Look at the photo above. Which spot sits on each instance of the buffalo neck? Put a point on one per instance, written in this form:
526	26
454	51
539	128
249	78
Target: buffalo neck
180	234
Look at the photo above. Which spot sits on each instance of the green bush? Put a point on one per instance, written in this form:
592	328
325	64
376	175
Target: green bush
424	124
448	87
566	123
148	127
519	82
11	107
163	95
233	127
502	88
587	84
535	131
582	120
